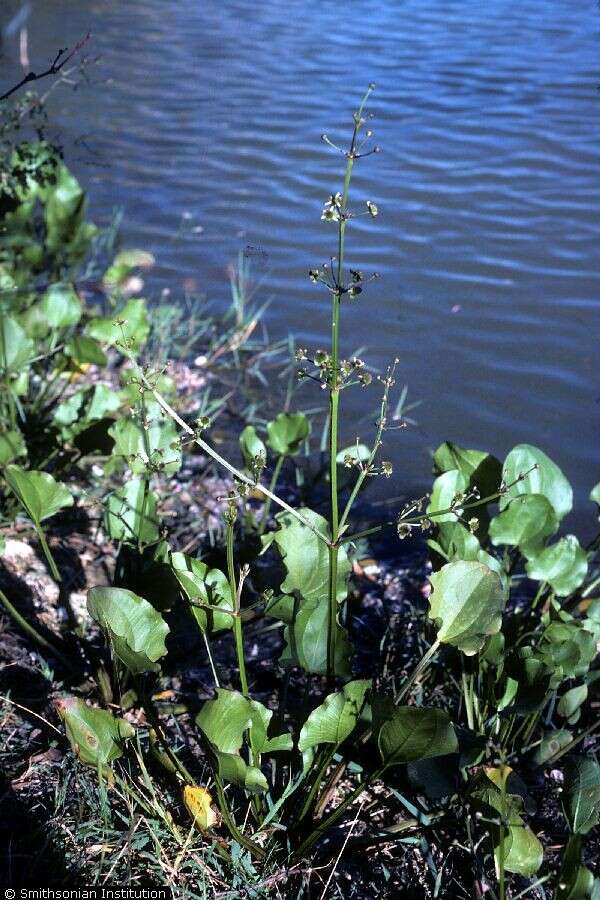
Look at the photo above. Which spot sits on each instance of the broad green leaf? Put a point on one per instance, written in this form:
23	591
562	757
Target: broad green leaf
12	446
306	558
551	744
446	488
83	408
16	349
563	565
571	702
146	449
514	842
581	794
208	586
60	306
466	604
357	452
131	513
575	881
124	264
38	492
85	350
68	235
525	523
252	447
545	479
135	630
224	722
413	732
306	640
568	649
287	432
129	326
478	468
335	719
95	735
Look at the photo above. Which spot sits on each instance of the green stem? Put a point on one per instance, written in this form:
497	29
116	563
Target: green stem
267	508
327	756
236	834
237	621
47	553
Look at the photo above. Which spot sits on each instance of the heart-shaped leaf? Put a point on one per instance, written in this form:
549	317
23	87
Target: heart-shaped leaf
287	432
95	735
466	604
446	488
581	794
411	732
224	722
38	492
85	350
563	565
131	513
135	630
335	719
525	523
530	471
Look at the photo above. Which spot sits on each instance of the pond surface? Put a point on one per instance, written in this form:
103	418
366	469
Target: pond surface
202	120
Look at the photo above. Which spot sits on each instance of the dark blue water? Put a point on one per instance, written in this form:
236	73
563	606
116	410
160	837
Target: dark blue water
203	119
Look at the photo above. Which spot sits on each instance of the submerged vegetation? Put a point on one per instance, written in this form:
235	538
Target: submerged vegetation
468	746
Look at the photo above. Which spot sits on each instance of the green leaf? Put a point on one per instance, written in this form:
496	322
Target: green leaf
252	446
60	306
575	881
12	445
129	326
571	701
551	744
411	733
38	492
224	722
446	488
581	794
131	513
83	408
514	843
335	719
568	649
563	565
68	235
95	735
545	479
466	604
306	558
16	349
146	449
595	494
209	586
479	469
135	630
124	264
85	350
306	640
525	523
287	432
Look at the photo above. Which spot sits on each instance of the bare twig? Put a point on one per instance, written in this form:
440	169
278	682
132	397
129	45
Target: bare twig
63	56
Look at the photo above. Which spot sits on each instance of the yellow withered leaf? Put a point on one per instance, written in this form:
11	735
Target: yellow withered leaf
198	803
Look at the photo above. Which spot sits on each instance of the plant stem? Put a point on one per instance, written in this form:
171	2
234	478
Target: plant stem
236	834
267	508
237	620
47	553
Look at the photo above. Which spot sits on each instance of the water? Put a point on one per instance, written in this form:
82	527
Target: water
203	119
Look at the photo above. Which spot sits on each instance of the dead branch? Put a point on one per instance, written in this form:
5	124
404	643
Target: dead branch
63	56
